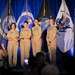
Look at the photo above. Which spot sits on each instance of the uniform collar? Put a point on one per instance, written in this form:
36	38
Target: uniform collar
36	25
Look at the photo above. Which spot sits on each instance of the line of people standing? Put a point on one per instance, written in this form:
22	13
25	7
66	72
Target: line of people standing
29	37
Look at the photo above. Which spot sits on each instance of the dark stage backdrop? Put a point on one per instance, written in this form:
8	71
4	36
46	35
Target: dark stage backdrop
35	5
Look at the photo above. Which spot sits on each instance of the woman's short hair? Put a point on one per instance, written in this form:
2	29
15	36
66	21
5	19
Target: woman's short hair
12	24
26	22
51	18
37	19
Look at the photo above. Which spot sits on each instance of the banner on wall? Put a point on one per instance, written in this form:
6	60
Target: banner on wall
44	15
25	16
64	26
7	17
